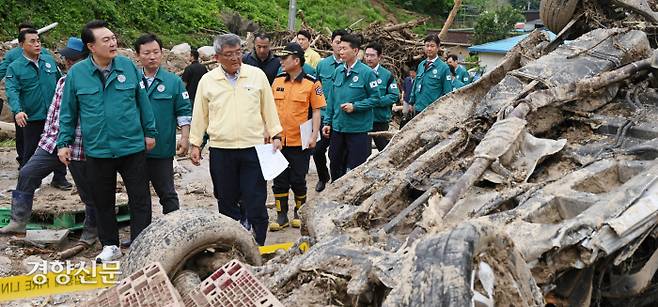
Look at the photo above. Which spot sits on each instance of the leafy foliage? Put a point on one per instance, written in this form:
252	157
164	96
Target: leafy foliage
175	21
496	25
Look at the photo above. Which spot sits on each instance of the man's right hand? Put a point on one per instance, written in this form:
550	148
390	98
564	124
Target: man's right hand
64	155
195	155
326	130
21	119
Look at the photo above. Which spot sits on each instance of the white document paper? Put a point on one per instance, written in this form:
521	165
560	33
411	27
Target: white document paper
271	163
306	130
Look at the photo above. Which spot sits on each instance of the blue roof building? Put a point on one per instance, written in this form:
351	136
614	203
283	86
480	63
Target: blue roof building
492	52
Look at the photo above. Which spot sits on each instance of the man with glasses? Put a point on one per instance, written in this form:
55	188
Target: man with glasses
105	93
234	105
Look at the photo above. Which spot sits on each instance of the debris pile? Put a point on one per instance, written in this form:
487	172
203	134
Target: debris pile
402	48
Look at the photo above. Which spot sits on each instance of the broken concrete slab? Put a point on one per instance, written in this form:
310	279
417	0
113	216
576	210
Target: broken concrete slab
47	236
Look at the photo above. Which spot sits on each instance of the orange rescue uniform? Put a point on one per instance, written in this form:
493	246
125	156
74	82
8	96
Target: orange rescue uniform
295	99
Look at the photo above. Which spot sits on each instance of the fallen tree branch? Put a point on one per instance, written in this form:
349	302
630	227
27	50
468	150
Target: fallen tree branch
408	24
7	130
386	134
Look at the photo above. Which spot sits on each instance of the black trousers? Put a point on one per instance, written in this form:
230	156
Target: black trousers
161	176
31	135
294	177
79	173
240	188
320	159
347	151
19	144
380	142
103	174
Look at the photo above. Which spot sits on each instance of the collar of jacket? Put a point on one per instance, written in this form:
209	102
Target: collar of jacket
270	56
299	78
219	73
159	75
92	67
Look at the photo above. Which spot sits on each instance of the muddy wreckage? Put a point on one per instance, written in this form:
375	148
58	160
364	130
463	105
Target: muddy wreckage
536	185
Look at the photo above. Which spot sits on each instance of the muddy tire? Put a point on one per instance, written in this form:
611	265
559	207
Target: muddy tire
557	13
441	267
178	236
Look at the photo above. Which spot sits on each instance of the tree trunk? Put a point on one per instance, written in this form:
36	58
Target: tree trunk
450	19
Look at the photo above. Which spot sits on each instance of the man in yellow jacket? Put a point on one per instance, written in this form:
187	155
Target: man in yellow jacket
234	105
311	56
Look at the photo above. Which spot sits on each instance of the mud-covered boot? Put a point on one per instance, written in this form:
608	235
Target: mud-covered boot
89	235
281	201
21	210
300	200
14	227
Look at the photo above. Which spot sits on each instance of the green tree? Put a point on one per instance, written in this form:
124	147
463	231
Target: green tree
496	25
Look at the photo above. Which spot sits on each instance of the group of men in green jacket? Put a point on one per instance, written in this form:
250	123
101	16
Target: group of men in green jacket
128	117
360	96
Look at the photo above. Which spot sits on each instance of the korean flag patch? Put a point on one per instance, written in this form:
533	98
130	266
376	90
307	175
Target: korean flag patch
373	84
394	86
185	95
318	91
448	78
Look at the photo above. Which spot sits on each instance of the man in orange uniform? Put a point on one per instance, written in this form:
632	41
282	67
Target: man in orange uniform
297	96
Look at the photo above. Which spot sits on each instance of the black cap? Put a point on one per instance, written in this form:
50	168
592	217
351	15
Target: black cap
291	48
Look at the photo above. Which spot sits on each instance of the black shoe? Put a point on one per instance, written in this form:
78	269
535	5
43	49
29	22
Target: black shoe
64	186
320	186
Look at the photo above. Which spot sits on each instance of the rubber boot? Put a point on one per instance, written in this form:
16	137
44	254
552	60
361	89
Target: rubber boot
21	210
89	235
281	201
300	200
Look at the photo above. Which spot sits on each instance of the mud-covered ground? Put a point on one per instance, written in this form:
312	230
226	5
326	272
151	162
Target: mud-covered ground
194	188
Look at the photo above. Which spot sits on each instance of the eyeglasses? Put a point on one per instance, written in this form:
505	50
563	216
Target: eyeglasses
232	55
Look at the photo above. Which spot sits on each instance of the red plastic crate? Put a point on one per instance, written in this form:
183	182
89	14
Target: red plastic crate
232	285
